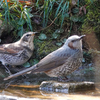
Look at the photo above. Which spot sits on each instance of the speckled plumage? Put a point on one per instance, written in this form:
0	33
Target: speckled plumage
60	62
16	58
19	52
72	63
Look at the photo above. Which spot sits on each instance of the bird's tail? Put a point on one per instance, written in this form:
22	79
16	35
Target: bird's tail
21	72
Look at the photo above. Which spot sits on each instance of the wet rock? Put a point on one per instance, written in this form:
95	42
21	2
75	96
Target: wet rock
54	86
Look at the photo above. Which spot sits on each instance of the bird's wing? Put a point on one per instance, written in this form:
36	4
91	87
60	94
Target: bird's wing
10	49
52	61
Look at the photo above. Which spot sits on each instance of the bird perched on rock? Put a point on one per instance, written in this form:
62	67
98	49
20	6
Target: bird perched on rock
60	62
19	52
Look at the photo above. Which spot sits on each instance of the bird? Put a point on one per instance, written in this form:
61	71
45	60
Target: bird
60	62
19	52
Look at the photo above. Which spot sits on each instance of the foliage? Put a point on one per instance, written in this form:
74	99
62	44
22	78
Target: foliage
60	12
16	15
19	16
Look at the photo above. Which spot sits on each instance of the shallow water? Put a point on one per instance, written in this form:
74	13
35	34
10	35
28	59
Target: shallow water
28	90
31	92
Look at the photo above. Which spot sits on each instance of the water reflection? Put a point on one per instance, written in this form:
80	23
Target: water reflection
19	92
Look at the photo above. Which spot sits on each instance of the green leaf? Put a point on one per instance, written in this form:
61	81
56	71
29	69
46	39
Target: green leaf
59	44
59	31
27	64
75	10
74	18
36	61
81	18
21	22
33	62
20	32
55	35
91	1
58	9
66	15
62	16
64	40
42	36
0	15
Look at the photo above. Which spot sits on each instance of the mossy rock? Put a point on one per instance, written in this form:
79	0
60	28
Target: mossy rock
45	47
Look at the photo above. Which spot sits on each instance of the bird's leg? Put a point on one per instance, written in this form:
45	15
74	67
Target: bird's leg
65	79
7	70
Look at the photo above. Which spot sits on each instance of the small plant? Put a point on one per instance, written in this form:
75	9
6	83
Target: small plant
48	10
17	15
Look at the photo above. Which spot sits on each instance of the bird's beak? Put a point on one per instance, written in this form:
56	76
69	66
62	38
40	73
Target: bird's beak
82	36
33	33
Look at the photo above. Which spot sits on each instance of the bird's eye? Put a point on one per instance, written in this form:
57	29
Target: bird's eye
27	35
73	40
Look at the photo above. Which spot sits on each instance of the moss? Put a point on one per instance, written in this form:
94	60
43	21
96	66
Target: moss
93	18
45	47
87	29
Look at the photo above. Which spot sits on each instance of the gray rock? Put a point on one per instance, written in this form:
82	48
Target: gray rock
66	87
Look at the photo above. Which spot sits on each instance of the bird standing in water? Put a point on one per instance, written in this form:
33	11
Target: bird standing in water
19	52
60	62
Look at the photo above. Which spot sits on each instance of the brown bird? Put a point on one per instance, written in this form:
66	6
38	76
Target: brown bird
60	62
19	52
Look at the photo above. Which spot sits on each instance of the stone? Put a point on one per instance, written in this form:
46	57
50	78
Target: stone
69	87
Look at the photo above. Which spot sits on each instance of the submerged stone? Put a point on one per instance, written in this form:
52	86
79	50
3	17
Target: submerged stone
69	87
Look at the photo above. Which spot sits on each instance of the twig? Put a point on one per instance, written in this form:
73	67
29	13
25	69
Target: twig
50	24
